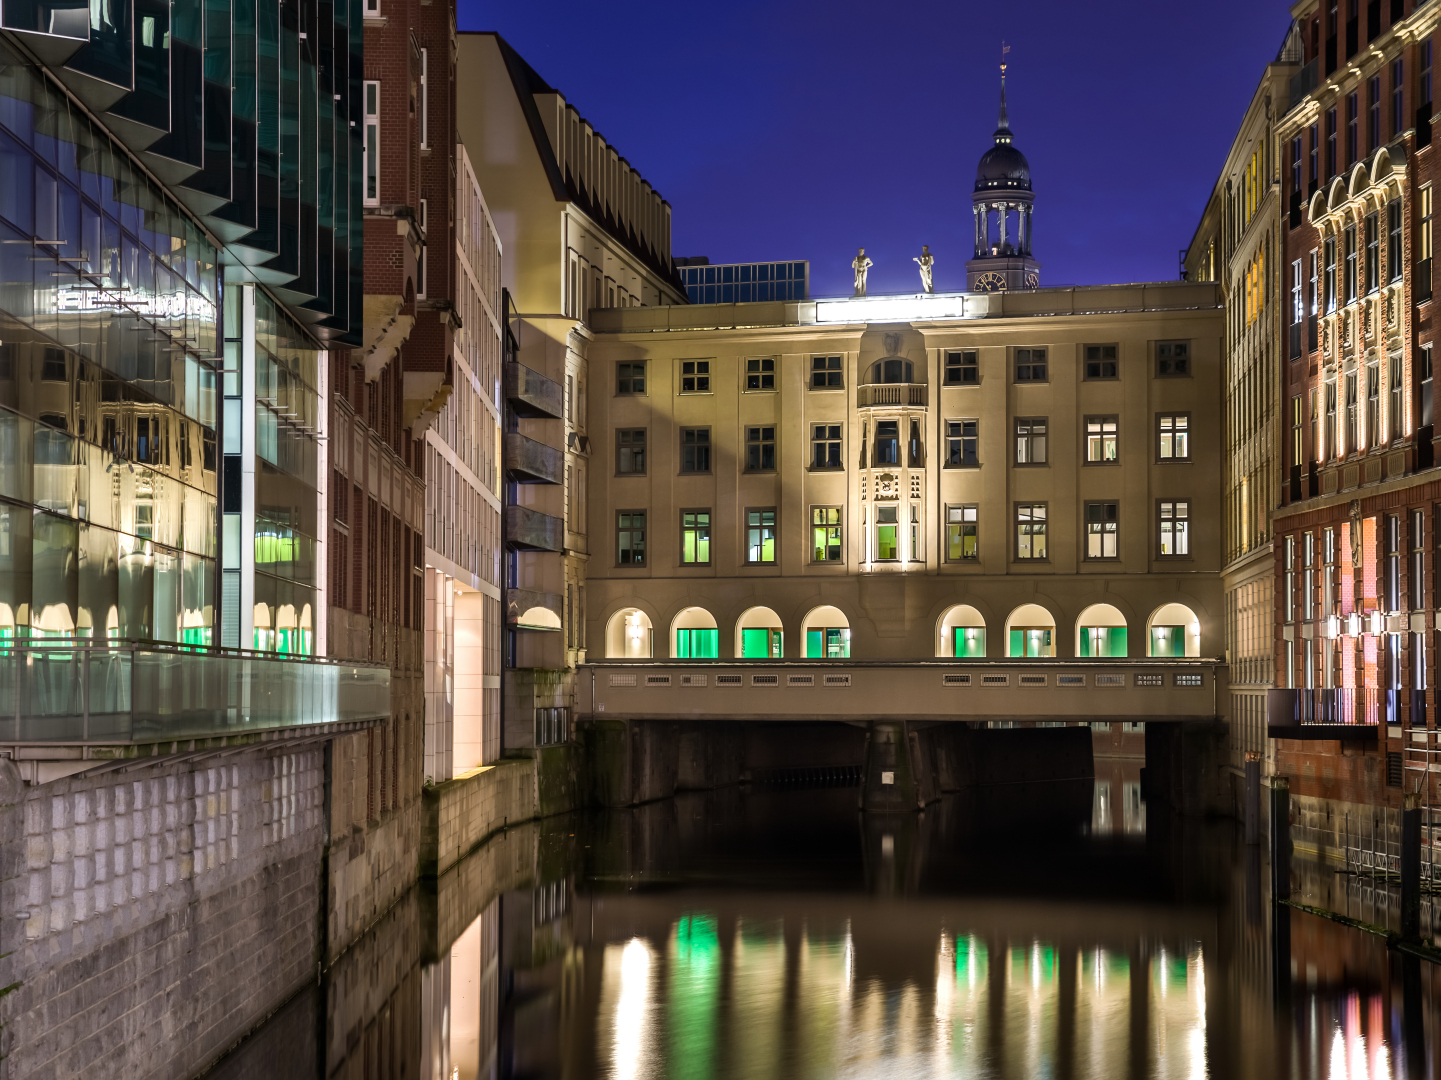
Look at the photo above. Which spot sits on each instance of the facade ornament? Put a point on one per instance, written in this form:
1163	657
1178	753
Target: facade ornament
926	261
1355	533
1391	310
888	486
860	264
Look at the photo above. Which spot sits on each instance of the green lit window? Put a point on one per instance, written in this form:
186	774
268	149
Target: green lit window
695	537
761	536
1032	641
700	644
970	642
1168	641
828	643
826	534
1103	641
963	539
887	529
762	643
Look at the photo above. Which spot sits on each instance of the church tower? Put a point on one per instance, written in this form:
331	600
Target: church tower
1002	204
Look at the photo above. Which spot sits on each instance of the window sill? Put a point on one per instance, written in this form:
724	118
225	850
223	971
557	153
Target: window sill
695	393
1032	465
628	475
826	389
771	390
706	473
1102	464
1173	461
760	472
962	468
959	385
825	468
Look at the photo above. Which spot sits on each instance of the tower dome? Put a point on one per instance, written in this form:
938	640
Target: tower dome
1002	203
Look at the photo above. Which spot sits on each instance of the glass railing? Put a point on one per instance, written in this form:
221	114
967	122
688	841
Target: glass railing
57	692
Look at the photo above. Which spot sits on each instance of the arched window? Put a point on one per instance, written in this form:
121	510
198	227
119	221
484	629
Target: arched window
628	635
1030	632
1101	631
1173	630
892	369
827	634
759	635
962	633
694	635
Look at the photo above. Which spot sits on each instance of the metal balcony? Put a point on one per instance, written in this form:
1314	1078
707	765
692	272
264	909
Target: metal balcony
531	394
530	530
1329	714
531	462
127	694
873	395
530	609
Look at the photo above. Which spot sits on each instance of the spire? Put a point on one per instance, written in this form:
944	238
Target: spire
1003	127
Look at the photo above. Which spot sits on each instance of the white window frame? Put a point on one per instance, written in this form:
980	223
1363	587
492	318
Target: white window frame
370	158
372	9
424	97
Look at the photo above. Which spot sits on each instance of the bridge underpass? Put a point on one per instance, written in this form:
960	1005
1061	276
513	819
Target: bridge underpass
909	731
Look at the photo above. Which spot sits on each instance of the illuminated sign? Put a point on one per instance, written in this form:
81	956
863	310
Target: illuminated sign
917	308
174	306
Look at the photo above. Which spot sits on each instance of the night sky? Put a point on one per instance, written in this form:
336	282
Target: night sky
800	129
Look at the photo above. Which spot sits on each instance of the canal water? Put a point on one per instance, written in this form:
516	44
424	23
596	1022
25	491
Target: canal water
774	932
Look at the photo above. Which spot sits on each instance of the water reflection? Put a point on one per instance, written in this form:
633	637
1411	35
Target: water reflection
759	934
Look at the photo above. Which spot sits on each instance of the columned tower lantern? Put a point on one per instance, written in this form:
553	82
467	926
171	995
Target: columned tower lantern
1002	204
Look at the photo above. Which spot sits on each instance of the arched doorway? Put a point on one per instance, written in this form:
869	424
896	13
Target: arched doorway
760	635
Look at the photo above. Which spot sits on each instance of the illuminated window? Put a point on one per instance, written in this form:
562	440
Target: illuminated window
1175	527
963	540
826	534
1031	531
695	537
1101	530
761	536
1101	440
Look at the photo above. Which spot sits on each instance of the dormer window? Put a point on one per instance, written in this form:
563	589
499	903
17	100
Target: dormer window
892	370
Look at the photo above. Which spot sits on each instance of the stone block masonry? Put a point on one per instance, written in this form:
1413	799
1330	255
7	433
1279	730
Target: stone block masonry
152	913
464	811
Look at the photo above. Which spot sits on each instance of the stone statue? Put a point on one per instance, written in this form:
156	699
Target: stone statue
860	264
926	261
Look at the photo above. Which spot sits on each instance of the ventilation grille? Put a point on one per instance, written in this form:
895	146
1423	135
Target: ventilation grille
1150	680
995	680
728	680
657	680
1070	680
1189	678
955	680
838	680
1033	680
627	679
692	680
800	680
1110	680
765	680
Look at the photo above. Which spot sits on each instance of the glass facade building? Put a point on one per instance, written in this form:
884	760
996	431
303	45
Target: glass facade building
743	283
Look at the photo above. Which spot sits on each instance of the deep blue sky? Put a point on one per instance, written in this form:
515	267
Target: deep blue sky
802	129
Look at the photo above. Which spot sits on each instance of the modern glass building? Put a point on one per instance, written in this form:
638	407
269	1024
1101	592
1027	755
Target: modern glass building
180	242
743	283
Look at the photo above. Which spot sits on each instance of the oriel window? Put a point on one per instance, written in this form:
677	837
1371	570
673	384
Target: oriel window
887	533
888	442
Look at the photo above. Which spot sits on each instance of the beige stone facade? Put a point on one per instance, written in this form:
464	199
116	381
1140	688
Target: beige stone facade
1046	467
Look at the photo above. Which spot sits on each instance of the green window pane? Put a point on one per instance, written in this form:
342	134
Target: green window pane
1015	645
970	642
815	644
697	644
755	644
885	541
838	644
1168	641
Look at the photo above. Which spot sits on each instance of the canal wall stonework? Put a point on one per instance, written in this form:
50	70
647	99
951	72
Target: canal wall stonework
153	913
461	813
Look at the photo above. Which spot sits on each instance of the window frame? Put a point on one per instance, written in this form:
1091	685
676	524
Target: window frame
631	529
1184	532
957	440
1169	371
827	440
957	364
1371	267
1160	431
1101	361
1395	249
958	524
700	380
1044	533
836	373
696	527
625	385
760	443
760	375
838	527
621	442
1114	530
424	99
1102	419
681	469
1023	358
370	148
774	527
1030	439
898	524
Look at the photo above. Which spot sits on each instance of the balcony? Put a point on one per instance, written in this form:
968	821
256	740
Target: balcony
530	609
531	462
129	694
1302	84
877	395
531	394
530	530
1136	691
1348	714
